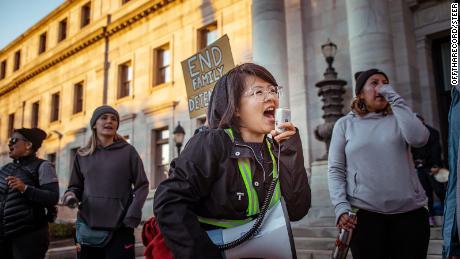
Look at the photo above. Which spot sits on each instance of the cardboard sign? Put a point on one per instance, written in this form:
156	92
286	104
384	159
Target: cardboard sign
202	70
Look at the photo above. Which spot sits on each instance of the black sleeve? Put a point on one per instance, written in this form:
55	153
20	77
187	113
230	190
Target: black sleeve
46	195
140	190
294	181
76	180
435	148
191	178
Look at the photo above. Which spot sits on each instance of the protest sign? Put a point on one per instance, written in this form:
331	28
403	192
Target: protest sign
202	70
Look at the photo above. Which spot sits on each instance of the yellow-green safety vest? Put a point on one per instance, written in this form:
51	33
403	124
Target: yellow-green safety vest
253	200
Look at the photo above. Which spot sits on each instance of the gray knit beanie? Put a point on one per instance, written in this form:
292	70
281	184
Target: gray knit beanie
102	110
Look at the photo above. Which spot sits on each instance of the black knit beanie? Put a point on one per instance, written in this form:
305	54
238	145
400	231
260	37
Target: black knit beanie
34	135
362	76
102	110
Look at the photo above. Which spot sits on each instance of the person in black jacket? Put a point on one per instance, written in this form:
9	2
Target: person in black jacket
209	184
108	178
427	161
28	186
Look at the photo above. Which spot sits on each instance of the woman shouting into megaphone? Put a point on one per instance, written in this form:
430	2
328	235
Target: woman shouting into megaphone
223	175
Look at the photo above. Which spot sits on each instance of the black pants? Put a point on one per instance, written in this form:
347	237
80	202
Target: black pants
121	246
32	245
430	185
395	236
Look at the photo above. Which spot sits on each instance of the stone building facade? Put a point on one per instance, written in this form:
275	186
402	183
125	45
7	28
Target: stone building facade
127	53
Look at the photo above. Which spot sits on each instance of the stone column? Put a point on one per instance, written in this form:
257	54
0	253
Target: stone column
369	33
269	41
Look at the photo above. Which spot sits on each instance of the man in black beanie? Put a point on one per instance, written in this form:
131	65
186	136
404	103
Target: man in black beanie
30	190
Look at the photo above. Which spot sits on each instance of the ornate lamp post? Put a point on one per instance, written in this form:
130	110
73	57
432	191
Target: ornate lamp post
331	90
178	136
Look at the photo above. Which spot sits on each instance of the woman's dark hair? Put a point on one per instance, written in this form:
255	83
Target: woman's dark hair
225	98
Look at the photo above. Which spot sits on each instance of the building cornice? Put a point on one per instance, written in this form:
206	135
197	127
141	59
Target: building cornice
98	34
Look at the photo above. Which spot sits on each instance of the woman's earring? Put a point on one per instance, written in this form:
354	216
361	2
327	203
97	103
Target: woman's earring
362	105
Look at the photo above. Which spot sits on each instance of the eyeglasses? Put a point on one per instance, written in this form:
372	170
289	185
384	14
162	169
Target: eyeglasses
13	141
261	94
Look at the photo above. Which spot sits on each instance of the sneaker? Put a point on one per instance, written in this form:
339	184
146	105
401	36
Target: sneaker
432	221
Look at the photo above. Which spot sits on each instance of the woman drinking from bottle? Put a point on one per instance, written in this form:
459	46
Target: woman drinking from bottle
371	171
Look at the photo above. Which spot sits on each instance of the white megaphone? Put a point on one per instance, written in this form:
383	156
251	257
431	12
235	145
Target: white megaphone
273	240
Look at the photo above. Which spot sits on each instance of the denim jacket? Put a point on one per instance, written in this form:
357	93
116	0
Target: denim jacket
452	204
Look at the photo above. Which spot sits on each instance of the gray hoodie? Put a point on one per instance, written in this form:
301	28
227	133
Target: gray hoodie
370	165
111	185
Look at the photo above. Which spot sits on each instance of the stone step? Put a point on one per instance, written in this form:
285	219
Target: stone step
327	244
326	254
436	232
70	252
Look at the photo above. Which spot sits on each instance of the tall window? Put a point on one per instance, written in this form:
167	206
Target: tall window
207	35
10	124
163	68
85	15
17	60
42	46
3	70
35	113
62	30
125	79
55	107
52	158
78	98
162	159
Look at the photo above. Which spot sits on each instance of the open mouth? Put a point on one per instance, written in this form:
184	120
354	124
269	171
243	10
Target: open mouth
269	113
108	127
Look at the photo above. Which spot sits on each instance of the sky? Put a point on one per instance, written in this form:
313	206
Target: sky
16	16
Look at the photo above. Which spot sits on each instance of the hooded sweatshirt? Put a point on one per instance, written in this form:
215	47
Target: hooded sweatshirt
370	165
111	185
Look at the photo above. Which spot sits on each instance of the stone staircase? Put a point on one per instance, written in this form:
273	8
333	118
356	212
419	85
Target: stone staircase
318	242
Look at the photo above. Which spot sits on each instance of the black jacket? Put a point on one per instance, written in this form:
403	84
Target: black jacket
21	213
429	155
111	185
204	181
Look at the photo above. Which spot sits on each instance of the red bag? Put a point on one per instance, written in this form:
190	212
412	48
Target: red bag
154	242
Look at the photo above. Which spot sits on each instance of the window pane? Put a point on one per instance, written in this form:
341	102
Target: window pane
3	70
17	60
167	74
10	124
164	134
125	80
165	57
129	73
35	113
211	36
164	154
